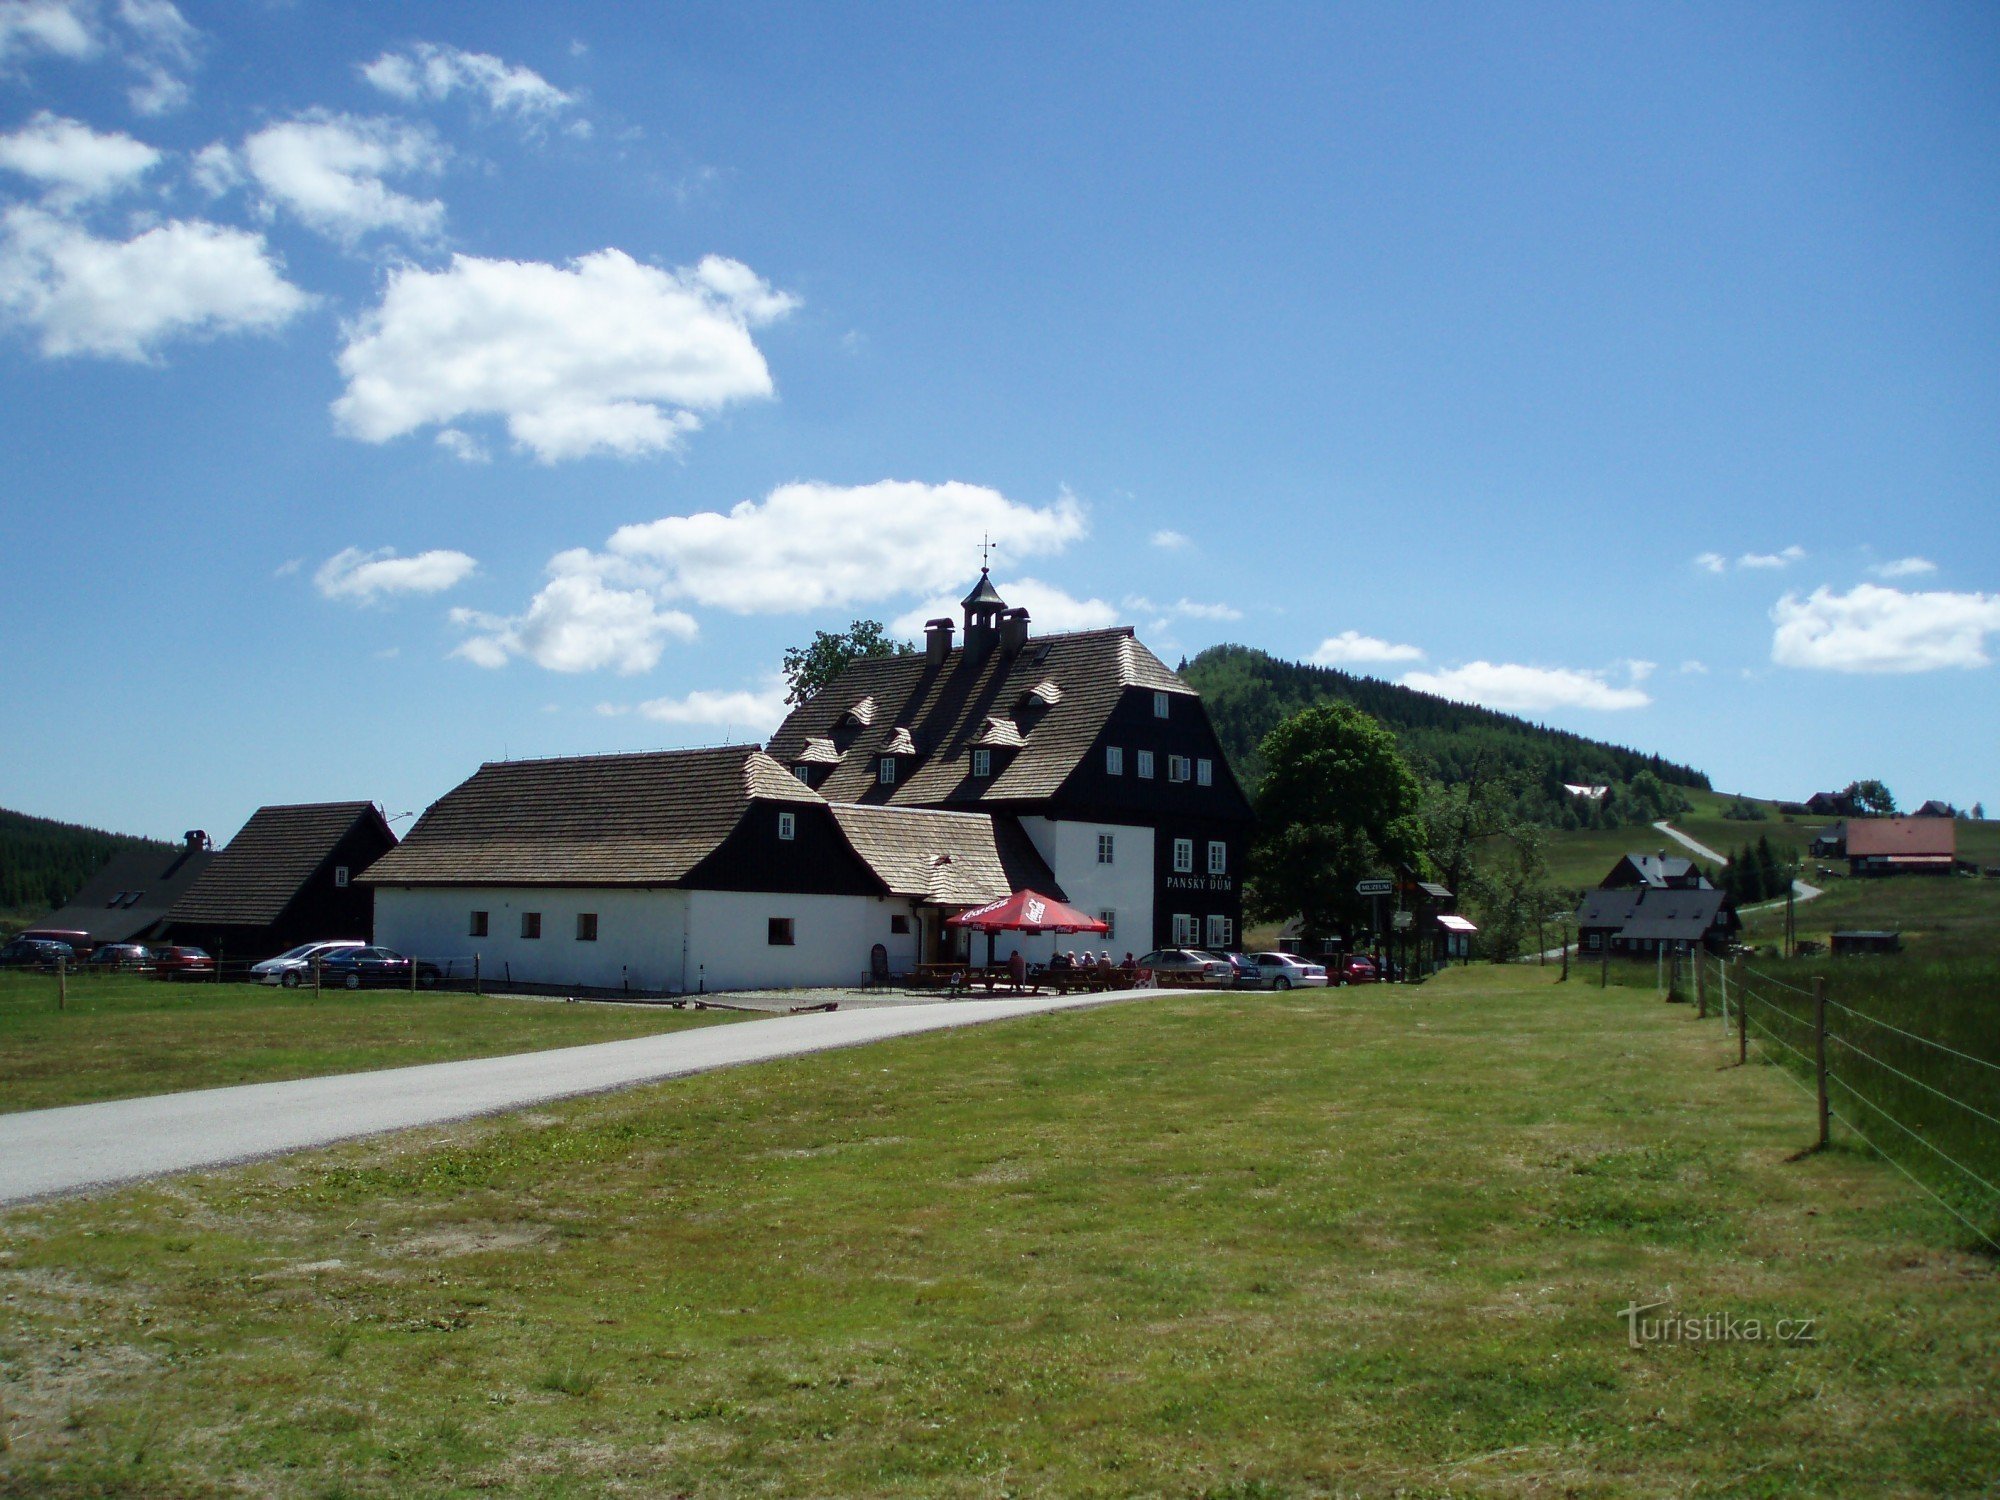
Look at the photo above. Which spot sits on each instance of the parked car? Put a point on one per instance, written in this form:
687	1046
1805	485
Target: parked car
1186	966
365	966
295	967
183	963
1357	968
78	941
131	958
1245	974
1287	971
36	953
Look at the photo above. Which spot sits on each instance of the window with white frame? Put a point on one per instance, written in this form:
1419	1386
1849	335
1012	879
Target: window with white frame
1110	921
886	774
1114	760
982	762
1221	932
1183	856
804	773
788	826
1179	768
1105	849
340	876
1204	772
1218	857
1159	705
1146	765
1186	930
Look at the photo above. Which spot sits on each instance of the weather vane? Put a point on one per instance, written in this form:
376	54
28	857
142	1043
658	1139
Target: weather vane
985	550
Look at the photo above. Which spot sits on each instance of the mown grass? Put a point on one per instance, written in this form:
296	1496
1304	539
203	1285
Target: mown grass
123	1035
1919	1104
1361	1242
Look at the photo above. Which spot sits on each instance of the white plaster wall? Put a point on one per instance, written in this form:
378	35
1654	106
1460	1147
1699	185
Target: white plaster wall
730	949
639	932
1124	886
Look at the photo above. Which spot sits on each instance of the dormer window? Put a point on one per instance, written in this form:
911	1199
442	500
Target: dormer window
788	826
1159	705
804	773
885	773
982	762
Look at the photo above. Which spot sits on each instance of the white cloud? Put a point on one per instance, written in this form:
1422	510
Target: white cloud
123	298
1712	562
367	577
51	26
581	621
1876	629
72	161
750	711
161	48
1638	670
1182	608
1049	609
1694	669
1905	567
1169	540
428	72
1351	646
602	355
328	171
808	546
1519	689
288	567
1782	559
463	446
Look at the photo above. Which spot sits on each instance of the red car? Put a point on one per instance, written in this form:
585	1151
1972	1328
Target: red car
182	963
1356	968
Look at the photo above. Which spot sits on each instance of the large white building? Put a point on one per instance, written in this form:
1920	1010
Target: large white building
679	872
1100	753
909	789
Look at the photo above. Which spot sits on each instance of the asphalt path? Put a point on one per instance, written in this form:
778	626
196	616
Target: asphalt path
47	1152
1694	846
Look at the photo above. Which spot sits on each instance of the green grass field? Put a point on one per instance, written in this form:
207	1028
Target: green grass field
123	1035
1367	1242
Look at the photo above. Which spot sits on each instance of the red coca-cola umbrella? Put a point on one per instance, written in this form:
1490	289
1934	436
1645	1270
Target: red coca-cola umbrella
1027	911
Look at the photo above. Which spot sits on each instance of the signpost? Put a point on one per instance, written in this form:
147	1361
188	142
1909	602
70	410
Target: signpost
1375	890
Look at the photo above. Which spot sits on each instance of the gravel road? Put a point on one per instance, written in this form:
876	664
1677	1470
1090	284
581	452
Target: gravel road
52	1151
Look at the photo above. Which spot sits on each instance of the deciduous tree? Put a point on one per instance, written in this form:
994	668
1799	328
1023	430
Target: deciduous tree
810	668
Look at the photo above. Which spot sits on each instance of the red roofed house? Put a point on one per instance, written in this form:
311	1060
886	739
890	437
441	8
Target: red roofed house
1895	846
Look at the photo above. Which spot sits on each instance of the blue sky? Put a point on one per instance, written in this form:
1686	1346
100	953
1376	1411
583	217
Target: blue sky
387	392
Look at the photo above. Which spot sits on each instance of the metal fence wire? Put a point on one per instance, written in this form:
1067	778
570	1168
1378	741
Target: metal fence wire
1832	1051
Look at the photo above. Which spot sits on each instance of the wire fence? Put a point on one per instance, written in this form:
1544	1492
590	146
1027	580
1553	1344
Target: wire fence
1928	1108
375	970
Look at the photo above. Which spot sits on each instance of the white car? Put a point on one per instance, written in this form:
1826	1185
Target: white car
1287	971
295	968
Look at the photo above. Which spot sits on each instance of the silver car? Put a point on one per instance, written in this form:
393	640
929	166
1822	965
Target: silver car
1185	966
294	968
1287	971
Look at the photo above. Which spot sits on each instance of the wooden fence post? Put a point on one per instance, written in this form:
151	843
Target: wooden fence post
1604	951
62	983
1700	986
413	973
1819	1037
477	988
1742	1025
315	976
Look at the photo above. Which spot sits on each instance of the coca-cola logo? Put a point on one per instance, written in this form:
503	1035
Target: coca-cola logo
1034	911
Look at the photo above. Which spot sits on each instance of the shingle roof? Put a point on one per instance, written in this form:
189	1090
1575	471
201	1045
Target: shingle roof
1657	869
945	709
587	820
954	859
130	893
1650	912
1892	837
250	883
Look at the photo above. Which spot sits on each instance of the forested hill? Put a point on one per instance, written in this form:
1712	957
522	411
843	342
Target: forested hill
1249	693
43	863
